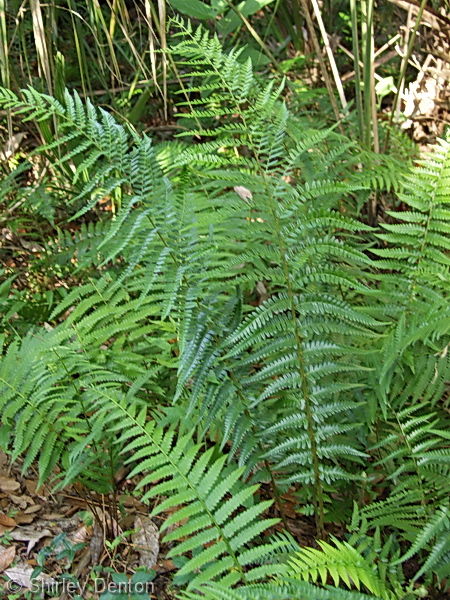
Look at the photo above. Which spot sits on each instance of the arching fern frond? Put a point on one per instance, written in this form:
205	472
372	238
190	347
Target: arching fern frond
285	589
341	562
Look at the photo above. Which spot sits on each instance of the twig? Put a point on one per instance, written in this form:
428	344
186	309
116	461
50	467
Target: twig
330	55
322	64
428	9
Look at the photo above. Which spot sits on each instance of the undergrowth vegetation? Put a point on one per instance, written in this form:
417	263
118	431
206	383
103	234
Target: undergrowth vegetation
221	320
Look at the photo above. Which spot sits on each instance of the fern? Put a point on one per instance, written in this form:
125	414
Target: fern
417	252
105	342
198	485
186	241
412	438
340	562
171	359
436	533
287	589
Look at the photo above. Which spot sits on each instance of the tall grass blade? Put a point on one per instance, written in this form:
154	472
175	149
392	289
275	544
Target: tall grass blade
4	60
329	51
40	40
356	59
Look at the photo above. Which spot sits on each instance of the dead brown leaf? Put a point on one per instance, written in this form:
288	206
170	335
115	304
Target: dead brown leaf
164	566
23	519
3	459
146	541
30	535
31	486
19	501
34	508
6	557
21	574
9	485
7	521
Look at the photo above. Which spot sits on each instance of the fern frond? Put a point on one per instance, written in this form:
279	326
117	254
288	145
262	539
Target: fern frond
285	589
340	562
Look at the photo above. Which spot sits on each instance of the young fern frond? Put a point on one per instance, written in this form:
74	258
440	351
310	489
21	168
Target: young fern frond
284	589
340	562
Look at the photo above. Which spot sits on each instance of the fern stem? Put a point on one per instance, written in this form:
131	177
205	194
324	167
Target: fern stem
277	495
274	486
317	491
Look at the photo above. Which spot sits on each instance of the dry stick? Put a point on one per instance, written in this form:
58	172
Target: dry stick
403	70
330	55
256	36
428	9
4	62
367	8
371	83
162	34
357	74
323	67
386	45
151	40
378	63
397	106
373	98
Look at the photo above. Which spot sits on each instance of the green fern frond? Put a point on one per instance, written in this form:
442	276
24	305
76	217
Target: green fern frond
284	589
340	562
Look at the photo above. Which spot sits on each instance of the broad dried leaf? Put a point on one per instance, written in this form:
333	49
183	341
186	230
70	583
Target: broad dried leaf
21	574
31	486
20	501
8	485
7	521
34	508
6	557
146	541
23	519
30	535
